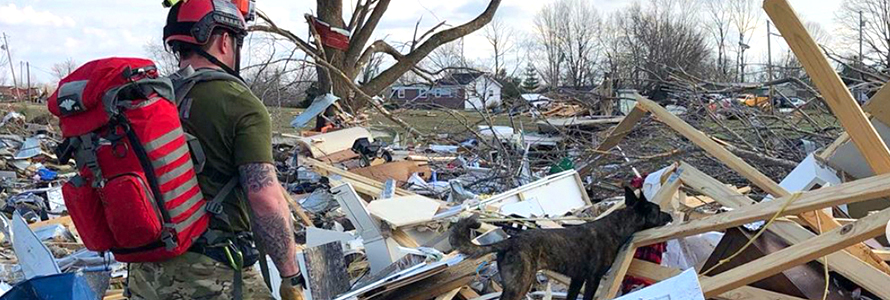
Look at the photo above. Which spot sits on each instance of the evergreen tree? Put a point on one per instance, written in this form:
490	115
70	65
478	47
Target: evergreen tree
531	82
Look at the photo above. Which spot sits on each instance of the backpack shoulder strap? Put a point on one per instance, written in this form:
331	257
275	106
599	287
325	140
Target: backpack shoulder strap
182	83
186	78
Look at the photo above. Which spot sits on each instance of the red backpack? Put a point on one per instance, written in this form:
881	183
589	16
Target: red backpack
136	193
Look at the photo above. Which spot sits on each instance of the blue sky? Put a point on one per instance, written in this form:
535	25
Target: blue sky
45	32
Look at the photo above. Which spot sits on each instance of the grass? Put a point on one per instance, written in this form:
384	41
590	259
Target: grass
426	121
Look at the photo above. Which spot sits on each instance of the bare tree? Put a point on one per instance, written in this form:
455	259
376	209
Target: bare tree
818	33
62	69
718	13
650	41
362	23
875	30
745	16
447	56
166	61
548	42
579	46
500	37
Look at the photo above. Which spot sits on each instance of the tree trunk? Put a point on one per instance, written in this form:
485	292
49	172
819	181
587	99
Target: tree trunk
331	12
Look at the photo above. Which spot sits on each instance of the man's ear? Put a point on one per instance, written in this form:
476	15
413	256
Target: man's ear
225	43
630	198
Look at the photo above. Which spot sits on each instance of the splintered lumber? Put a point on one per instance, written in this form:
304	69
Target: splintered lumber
879	105
297	209
64	221
645	269
455	276
367	187
850	192
710	146
851	267
841	262
467	293
829	83
615	136
610	284
816	219
362	184
449	295
812	249
326	268
883	254
622	129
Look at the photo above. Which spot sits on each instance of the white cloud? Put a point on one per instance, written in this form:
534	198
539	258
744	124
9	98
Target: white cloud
47	32
12	15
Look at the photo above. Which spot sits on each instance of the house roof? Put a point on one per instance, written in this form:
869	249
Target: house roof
463	79
456	79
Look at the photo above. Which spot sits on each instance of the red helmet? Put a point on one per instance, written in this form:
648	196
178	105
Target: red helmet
193	21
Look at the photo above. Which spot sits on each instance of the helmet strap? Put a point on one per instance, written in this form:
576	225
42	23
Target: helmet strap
215	61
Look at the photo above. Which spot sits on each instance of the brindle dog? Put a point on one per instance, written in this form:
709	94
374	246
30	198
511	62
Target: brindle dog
584	252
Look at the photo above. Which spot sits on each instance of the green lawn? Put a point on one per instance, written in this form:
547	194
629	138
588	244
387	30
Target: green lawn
427	121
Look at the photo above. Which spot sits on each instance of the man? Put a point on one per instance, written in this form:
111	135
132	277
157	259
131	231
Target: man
234	130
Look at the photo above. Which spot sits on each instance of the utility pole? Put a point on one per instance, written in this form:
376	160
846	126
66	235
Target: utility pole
861	62
15	84
769	59
861	25
28	64
742	48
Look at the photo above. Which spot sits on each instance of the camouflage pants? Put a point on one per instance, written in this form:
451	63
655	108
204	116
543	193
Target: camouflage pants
192	276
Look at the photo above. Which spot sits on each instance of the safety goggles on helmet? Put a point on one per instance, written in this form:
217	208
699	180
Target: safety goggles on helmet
246	7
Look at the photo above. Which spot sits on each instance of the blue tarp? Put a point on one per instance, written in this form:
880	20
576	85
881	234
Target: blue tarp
63	286
318	106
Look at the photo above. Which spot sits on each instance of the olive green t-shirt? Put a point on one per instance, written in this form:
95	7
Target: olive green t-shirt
234	129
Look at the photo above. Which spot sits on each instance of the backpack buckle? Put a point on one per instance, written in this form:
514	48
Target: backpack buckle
169	239
214	208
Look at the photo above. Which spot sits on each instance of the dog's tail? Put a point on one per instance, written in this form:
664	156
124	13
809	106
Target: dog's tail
460	238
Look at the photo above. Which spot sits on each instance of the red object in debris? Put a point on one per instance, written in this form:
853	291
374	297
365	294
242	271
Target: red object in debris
652	253
637	182
337	38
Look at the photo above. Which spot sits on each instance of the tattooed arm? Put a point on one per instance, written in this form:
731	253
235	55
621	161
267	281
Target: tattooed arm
272	224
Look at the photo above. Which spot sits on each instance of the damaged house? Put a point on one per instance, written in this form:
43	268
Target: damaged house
468	91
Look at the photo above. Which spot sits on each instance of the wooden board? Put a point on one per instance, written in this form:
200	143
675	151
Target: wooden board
806	280
455	276
825	221
879	105
863	189
814	248
710	146
610	284
398	170
362	184
851	267
883	254
829	83
327	271
645	269
339	156
616	135
842	262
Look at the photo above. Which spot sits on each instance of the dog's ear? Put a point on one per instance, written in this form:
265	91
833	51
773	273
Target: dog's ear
630	198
